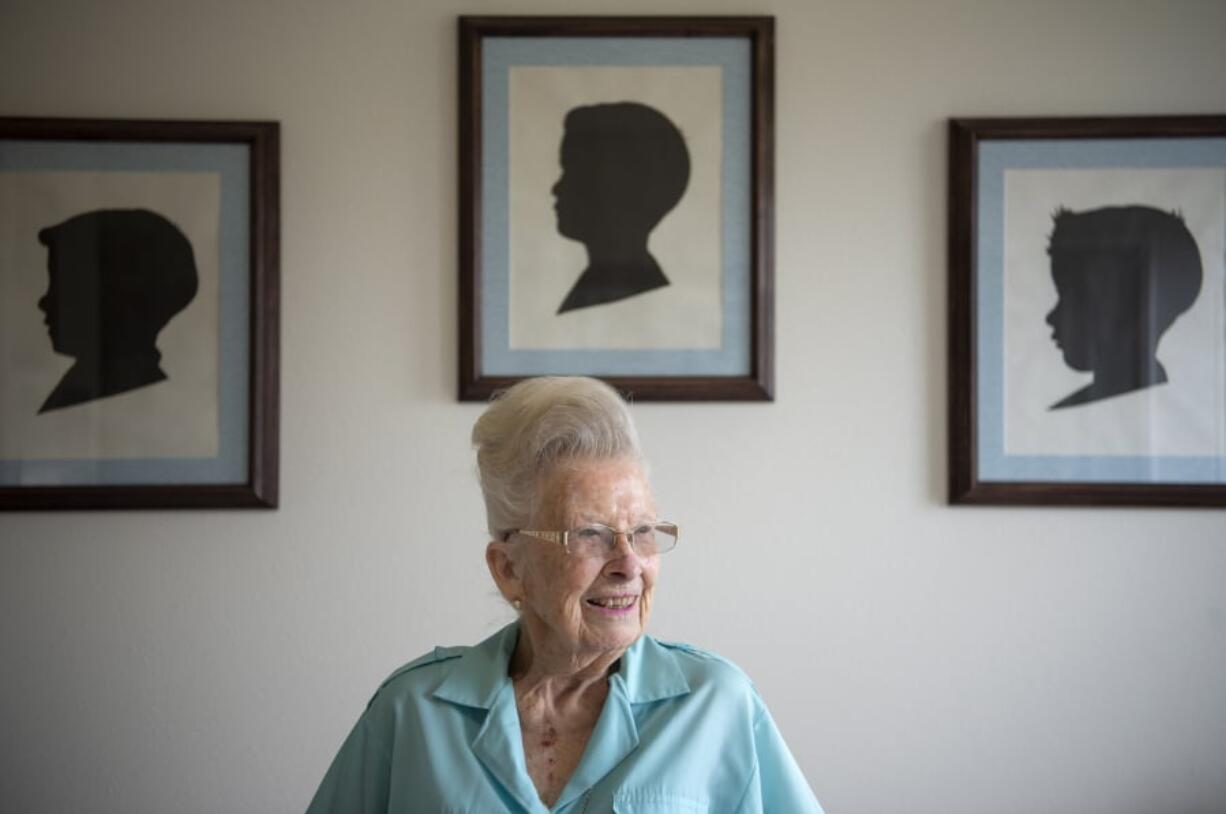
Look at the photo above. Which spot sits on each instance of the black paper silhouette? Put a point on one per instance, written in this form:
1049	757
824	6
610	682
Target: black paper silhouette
117	277
624	167
1123	275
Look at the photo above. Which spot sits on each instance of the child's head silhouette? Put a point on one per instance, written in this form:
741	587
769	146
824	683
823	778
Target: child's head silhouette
116	277
1123	275
624	166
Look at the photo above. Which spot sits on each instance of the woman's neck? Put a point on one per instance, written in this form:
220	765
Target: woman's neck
538	667
559	696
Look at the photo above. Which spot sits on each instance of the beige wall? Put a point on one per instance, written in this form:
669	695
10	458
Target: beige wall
919	658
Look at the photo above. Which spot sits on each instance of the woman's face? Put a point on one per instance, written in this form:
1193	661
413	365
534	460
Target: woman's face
565	596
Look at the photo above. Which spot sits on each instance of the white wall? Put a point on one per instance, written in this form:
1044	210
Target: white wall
920	658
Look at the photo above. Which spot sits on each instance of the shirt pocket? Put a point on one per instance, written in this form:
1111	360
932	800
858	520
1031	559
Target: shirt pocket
658	801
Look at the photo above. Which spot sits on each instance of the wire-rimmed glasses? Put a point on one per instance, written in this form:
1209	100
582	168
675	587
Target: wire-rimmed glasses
596	540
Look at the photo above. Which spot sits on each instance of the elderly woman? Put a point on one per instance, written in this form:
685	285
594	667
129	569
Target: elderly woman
571	708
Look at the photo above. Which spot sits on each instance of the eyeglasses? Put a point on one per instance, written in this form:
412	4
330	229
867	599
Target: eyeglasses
598	541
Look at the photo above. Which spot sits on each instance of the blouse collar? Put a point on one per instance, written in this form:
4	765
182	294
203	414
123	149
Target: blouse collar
479	679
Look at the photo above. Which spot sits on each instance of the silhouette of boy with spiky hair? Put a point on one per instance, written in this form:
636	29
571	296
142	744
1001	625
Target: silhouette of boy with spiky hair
1123	275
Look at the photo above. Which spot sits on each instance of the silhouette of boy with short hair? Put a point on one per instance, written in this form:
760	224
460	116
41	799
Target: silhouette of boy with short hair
624	167
117	276
1123	275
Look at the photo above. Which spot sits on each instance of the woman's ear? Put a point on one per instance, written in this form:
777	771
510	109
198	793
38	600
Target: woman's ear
504	570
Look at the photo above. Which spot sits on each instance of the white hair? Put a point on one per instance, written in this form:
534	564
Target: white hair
538	424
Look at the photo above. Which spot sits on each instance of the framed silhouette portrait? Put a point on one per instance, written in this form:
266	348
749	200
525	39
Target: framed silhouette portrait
616	203
1088	311
138	314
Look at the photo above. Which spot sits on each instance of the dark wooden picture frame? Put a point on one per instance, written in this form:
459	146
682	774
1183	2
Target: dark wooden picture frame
484	191
1050	162
245	273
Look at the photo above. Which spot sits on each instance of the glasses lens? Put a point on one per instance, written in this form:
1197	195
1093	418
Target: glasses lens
657	539
591	541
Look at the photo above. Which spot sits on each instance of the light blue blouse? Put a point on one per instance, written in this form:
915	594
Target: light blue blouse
682	730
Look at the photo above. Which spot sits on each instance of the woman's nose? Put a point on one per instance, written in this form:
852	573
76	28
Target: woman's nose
624	561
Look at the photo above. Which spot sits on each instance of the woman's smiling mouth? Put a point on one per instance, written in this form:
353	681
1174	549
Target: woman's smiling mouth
613	605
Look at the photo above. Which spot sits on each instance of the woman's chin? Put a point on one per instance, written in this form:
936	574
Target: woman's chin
612	634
